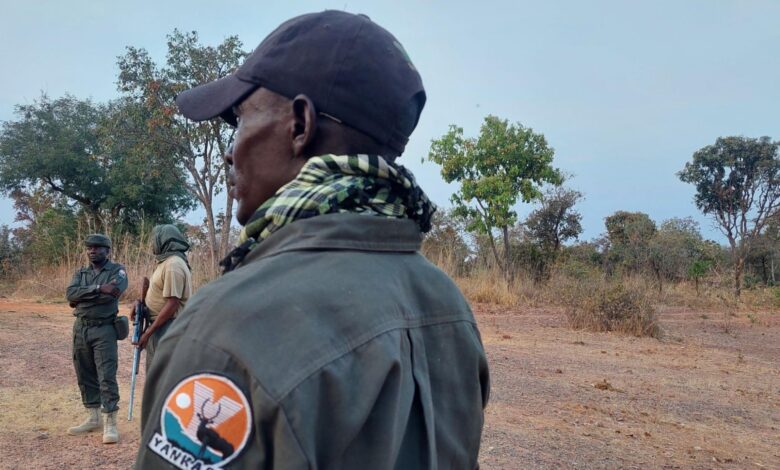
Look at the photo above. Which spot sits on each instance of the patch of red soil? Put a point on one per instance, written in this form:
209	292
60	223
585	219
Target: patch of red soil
707	395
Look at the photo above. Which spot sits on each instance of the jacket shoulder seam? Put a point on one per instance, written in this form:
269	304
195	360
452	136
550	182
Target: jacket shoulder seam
361	341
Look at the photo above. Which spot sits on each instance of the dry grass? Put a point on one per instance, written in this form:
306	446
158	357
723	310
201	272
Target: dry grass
48	283
615	306
489	287
564	287
625	305
25	406
715	294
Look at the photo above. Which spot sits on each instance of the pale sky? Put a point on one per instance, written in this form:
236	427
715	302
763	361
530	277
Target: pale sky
625	91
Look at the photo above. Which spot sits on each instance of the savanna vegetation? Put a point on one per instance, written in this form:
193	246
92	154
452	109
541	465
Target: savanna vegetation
74	166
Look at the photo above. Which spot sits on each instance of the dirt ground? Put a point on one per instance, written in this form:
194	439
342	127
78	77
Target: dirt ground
705	396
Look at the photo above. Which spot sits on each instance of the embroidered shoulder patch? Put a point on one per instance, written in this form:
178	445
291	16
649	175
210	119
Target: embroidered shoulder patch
205	423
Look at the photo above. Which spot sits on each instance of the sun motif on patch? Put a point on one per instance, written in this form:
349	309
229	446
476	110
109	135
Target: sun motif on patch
205	423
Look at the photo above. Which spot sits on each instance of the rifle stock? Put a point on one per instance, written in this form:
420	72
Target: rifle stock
139	326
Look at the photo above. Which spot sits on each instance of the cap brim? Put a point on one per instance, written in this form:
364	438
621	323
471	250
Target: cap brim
214	99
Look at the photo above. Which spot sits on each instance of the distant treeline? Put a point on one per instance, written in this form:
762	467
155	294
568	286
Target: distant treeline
73	166
120	166
632	245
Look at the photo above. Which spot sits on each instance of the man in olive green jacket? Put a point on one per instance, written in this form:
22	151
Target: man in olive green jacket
93	293
330	342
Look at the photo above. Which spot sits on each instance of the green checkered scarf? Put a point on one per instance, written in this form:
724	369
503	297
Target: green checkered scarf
330	184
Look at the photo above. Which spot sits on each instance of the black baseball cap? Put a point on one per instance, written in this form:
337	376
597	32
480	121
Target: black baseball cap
353	70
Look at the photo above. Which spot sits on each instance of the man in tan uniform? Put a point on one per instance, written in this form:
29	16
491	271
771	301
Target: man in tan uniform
169	288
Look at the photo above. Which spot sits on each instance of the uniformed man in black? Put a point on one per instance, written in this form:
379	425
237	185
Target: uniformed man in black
331	342
94	294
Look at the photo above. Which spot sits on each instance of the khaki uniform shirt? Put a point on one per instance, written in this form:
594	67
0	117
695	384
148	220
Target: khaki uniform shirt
171	278
83	291
334	345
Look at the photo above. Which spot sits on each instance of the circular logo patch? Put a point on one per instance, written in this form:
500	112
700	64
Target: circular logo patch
205	418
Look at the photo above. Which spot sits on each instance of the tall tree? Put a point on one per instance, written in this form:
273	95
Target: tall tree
147	175
677	251
55	142
629	235
200	146
69	147
556	221
48	223
548	227
738	183
445	245
10	252
505	163
764	251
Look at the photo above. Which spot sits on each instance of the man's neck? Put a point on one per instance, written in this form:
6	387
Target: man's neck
98	267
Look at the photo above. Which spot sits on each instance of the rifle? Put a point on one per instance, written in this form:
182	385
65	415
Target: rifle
139	326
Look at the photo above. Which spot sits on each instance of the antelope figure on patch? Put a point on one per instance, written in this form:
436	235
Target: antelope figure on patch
209	437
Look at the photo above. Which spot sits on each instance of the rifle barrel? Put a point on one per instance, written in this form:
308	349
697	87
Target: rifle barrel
134	373
139	326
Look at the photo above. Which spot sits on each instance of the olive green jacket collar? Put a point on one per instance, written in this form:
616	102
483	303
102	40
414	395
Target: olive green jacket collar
343	231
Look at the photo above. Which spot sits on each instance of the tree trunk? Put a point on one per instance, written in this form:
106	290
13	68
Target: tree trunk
764	274
696	282
739	266
508	271
495	251
212	233
224	242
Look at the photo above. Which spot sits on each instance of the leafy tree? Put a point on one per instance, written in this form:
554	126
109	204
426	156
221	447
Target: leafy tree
200	146
583	259
30	205
629	235
528	253
506	162
50	226
697	270
48	240
556	221
77	149
738	183
445	244
674	248
772	240
148	181
547	228
55	142
763	254
9	252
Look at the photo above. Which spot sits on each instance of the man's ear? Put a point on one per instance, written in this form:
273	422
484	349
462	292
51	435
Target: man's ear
304	125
